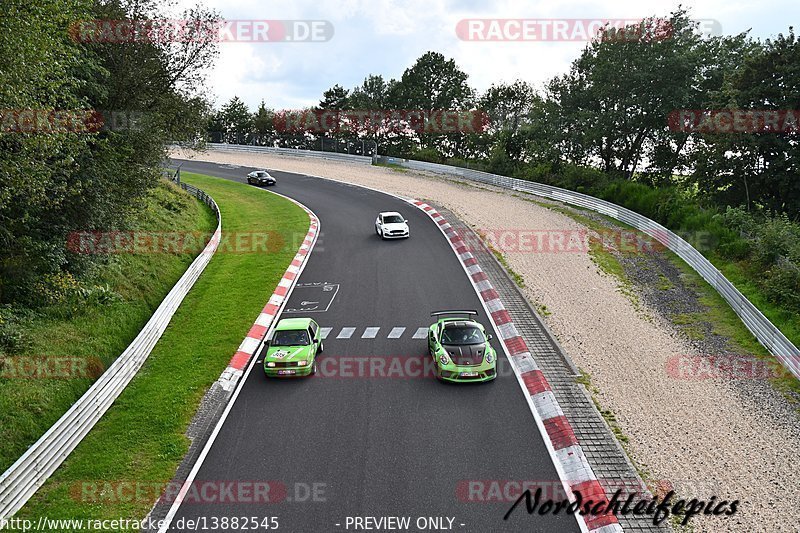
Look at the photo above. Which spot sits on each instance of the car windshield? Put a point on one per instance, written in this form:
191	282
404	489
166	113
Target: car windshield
262	174
392	219
460	335
291	338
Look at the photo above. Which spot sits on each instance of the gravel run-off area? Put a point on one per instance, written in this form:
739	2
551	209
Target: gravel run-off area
733	439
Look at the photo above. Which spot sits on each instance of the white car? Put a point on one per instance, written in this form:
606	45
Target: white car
391	225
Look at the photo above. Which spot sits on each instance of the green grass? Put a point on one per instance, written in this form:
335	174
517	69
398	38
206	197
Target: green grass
599	253
93	331
515	276
393	166
726	323
717	312
664	284
586	380
142	437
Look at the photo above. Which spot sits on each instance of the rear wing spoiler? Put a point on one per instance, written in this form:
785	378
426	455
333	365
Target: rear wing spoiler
455	312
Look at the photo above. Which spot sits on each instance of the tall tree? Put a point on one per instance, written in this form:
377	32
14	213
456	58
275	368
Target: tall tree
236	120
337	97
620	91
434	83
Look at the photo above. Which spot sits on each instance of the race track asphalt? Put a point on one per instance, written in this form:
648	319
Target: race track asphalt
379	442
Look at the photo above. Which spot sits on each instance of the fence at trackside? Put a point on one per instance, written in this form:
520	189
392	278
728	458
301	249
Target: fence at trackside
333	156
764	330
37	464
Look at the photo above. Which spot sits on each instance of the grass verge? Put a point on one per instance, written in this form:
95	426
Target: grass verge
91	323
717	312
141	439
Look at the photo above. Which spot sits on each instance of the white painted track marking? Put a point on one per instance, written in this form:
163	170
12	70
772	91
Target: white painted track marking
396	333
370	333
346	333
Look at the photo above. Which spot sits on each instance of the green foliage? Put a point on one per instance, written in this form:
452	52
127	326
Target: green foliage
14	334
57	181
143	436
773	247
95	317
337	97
426	154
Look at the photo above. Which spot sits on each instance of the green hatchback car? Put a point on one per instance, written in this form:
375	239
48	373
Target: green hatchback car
292	349
460	348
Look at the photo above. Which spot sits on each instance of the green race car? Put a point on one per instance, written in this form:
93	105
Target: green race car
292	348
460	348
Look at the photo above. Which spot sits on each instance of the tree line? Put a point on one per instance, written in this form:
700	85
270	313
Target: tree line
618	109
87	113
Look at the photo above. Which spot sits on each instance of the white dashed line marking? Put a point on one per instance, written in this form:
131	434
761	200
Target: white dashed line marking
396	333
370	333
346	333
421	333
373	332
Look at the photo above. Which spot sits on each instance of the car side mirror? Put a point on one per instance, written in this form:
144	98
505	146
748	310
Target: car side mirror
406	221
489	337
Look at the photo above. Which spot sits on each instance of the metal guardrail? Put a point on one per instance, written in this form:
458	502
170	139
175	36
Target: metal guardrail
37	464
764	330
333	156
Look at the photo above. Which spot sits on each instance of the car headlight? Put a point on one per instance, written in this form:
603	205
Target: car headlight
489	357
444	359
304	362
271	364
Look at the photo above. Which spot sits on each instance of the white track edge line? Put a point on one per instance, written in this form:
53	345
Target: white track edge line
167	520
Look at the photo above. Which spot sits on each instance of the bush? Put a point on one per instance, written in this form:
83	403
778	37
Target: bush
782	285
429	155
13	336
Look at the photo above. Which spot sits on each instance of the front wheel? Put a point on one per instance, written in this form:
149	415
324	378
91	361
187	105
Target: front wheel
321	347
313	369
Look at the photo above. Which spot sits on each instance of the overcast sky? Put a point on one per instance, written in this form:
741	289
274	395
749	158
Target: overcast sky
386	36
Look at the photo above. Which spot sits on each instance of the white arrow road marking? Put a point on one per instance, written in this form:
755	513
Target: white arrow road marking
346	333
324	332
370	333
396	333
421	333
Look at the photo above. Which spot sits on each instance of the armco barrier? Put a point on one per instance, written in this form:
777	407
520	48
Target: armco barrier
333	156
770	336
23	478
766	332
